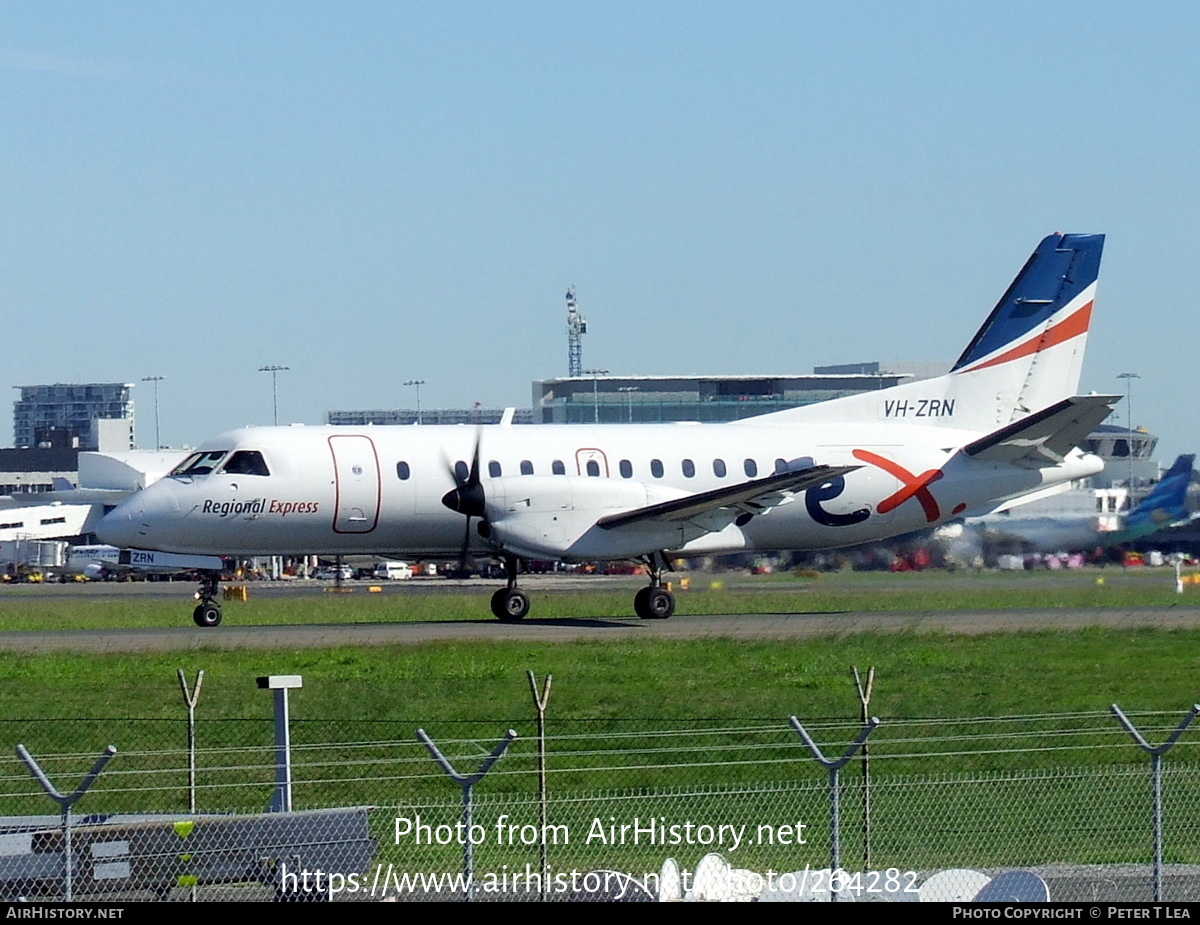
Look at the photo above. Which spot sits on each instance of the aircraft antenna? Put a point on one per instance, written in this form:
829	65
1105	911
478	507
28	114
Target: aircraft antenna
576	328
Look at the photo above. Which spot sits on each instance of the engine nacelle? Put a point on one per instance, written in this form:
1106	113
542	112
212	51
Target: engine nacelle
554	517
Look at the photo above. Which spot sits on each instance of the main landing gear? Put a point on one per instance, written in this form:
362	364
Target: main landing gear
510	603
654	602
208	611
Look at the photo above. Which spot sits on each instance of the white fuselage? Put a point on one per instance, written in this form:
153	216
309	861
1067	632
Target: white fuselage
380	490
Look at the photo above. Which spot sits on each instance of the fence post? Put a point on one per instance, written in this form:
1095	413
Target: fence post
190	698
467	782
539	703
834	766
1156	754
864	699
66	802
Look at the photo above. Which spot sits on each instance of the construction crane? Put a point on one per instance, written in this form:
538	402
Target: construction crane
576	328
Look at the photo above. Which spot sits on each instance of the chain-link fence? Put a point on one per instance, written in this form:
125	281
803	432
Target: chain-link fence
1069	797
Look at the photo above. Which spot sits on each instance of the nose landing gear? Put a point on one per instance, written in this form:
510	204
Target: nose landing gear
208	611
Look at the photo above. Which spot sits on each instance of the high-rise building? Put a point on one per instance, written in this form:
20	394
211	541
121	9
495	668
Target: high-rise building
65	415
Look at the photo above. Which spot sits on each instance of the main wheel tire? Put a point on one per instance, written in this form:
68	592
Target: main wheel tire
640	607
658	604
207	614
510	605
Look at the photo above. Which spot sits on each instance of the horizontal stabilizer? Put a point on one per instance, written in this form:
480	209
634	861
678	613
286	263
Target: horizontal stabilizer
1046	436
755	493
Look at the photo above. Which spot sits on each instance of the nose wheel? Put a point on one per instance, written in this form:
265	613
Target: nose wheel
208	611
207	614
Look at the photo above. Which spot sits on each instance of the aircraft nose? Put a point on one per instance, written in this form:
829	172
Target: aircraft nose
124	526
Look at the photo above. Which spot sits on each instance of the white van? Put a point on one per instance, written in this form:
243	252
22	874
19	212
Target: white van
393	571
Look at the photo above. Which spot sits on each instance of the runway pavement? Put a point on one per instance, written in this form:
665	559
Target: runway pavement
734	626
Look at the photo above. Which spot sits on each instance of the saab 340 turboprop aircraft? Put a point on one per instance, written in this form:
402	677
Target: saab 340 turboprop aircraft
1004	422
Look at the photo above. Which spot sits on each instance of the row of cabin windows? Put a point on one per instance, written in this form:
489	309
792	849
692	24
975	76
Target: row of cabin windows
46	521
462	471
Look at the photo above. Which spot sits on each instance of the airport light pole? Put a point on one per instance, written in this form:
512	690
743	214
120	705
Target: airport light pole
629	390
1129	377
418	383
596	374
156	380
274	371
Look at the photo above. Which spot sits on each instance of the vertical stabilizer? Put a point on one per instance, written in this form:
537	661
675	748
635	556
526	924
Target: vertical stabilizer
1026	357
1029	351
1165	505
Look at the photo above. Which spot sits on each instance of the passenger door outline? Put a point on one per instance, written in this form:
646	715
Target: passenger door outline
356	481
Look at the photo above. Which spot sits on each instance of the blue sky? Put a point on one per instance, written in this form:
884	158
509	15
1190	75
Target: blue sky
375	192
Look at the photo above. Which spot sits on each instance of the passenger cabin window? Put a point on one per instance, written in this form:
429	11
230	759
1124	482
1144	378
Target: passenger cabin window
689	469
201	463
246	462
402	471
593	468
526	467
626	468
494	469
750	467
558	468
656	468
462	471
719	468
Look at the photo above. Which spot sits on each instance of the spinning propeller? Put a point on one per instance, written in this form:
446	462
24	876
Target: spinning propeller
467	497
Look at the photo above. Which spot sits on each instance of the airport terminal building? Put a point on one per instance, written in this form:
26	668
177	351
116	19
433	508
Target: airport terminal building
608	399
381	417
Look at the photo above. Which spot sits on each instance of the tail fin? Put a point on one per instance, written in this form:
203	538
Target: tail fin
1026	357
1032	343
1167	502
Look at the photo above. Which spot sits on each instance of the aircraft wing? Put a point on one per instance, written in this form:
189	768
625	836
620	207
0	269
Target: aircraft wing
1046	436
752	497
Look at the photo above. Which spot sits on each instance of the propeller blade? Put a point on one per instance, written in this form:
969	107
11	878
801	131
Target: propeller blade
466	543
468	496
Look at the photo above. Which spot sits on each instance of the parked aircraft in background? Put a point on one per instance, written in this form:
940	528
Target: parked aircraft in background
95	562
1164	506
101	562
1004	422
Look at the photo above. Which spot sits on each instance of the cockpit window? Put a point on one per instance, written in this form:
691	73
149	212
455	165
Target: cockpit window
246	462
201	463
